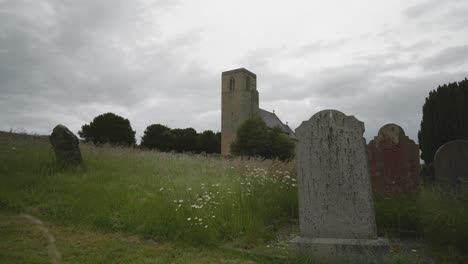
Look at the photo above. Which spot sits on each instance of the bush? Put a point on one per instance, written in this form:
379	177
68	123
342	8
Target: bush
158	137
445	118
210	142
186	140
254	138
108	128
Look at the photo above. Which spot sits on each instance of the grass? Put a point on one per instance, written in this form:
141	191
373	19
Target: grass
165	197
183	206
27	245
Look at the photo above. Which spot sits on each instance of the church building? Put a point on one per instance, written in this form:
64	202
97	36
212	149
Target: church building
239	102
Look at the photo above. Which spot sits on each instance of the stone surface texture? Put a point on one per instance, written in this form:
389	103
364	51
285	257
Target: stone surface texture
336	211
451	164
394	164
239	102
66	146
335	196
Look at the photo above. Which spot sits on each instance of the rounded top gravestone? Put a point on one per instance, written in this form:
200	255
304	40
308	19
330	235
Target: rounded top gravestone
451	163
390	132
393	161
335	196
65	145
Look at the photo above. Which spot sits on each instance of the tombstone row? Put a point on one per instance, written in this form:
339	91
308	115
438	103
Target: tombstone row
334	172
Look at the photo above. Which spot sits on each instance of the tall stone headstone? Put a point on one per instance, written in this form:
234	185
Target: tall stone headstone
451	164
66	147
393	161
336	211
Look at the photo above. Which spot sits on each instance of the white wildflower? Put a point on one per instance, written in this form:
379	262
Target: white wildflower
161	189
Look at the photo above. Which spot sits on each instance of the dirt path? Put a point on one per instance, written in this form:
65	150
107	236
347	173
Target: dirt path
54	254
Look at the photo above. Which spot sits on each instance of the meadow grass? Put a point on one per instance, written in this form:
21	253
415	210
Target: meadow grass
171	197
198	200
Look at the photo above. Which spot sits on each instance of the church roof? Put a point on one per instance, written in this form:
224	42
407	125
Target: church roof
272	120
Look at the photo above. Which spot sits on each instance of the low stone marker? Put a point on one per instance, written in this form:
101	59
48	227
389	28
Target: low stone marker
394	164
451	164
65	145
336	210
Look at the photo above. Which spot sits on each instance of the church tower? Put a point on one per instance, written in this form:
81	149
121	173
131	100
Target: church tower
239	102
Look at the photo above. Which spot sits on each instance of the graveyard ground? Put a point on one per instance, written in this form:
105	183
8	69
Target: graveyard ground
131	206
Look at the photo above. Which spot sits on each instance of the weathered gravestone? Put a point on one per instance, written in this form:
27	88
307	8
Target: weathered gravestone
451	164
65	145
393	161
336	211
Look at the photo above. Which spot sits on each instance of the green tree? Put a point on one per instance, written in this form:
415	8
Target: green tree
209	142
281	146
445	118
158	137
108	128
254	138
186	140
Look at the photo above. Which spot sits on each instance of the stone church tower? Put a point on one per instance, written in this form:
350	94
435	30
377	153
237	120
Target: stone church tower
239	102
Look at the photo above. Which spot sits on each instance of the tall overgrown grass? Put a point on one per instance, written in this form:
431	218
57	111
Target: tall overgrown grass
197	199
162	196
438	215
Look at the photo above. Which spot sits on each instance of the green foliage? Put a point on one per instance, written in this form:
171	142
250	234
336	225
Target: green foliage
445	219
164	139
162	196
186	140
398	215
445	118
158	137
210	142
108	128
254	138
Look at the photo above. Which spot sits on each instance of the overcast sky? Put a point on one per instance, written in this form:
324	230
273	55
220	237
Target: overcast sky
67	61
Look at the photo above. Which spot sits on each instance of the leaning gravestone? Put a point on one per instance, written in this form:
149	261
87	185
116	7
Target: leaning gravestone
451	164
336	211
65	145
393	161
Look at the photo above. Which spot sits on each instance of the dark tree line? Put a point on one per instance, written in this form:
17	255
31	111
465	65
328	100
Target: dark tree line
164	139
445	118
112	129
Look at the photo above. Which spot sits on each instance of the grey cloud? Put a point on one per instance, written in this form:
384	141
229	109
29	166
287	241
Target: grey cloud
367	89
435	14
80	59
422	8
316	47
452	56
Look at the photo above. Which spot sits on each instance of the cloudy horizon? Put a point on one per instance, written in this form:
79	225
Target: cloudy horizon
64	61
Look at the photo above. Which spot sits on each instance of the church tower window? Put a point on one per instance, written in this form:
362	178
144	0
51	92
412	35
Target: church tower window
232	84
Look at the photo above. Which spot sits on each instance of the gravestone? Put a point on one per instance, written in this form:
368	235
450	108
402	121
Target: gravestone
393	161
451	164
65	144
336	211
